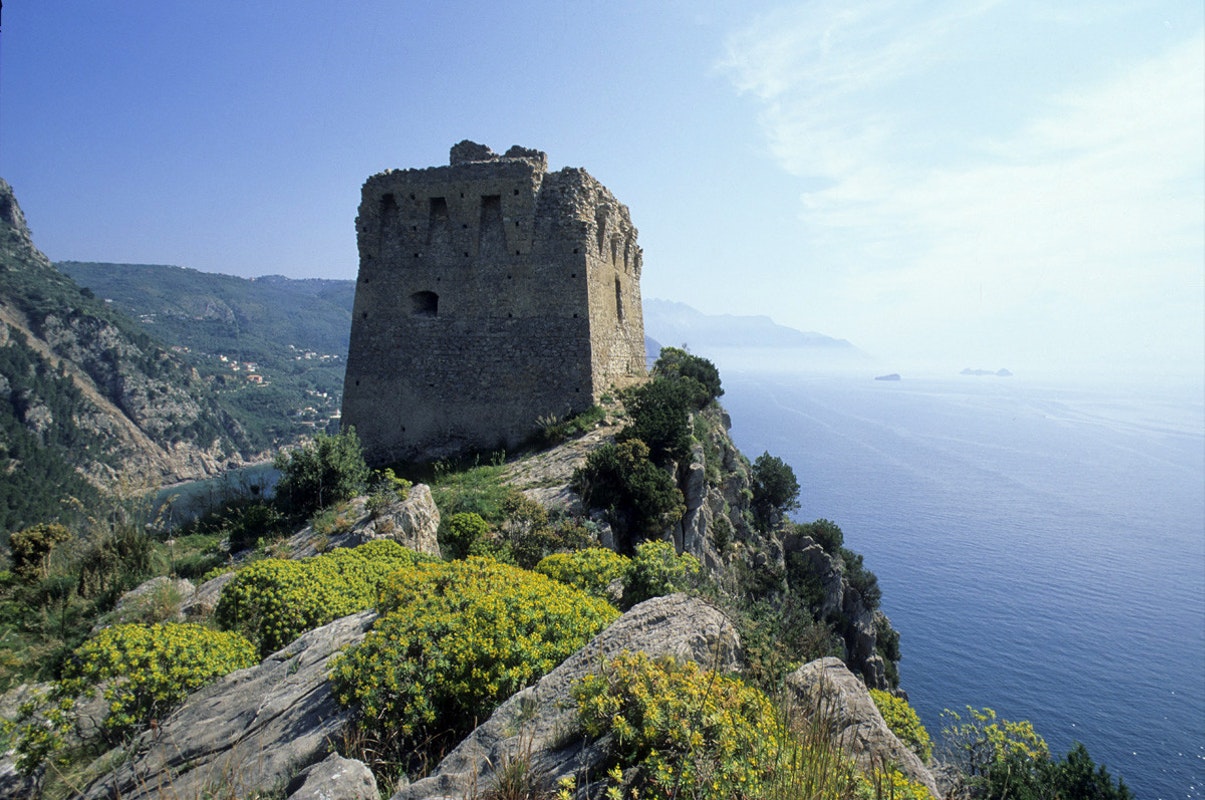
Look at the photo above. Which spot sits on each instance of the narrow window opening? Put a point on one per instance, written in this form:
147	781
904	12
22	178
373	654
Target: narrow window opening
437	222
600	217
491	235
388	211
618	300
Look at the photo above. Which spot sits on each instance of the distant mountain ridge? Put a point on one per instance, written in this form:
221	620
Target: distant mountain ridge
245	314
672	323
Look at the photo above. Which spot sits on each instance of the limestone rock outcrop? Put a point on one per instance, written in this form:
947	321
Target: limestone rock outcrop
252	730
160	599
334	778
412	523
827	687
540	719
204	600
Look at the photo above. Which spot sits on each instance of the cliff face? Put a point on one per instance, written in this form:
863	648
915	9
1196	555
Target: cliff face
89	387
717	529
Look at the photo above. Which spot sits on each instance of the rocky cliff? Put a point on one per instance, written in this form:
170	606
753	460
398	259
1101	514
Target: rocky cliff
717	528
82	383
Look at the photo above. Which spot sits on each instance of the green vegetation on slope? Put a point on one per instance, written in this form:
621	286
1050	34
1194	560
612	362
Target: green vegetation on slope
294	333
75	375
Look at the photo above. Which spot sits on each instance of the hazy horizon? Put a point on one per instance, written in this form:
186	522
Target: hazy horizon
983	184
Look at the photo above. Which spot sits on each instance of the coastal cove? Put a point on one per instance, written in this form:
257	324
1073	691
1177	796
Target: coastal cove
1040	547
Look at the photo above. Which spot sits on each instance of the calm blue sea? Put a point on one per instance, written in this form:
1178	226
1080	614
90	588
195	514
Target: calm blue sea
1041	548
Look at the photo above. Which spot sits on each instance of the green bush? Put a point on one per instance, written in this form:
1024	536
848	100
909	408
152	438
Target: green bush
903	721
775	490
861	579
386	488
1000	760
825	533
591	570
147	670
658	570
979	740
454	640
274	601
660	414
253	522
31	549
460	534
675	362
330	470
640	497
676	730
529	532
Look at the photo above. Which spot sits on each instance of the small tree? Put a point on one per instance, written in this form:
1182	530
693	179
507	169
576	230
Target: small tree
460	533
775	490
640	497
660	412
676	363
31	549
328	471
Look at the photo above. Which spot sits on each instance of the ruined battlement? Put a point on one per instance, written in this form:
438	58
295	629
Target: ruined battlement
491	293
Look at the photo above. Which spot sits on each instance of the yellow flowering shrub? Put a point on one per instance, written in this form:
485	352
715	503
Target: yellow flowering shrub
980	740
149	669
274	601
143	671
891	784
903	721
689	732
658	569
592	570
455	639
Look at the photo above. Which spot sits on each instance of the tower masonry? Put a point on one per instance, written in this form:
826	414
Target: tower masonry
491	294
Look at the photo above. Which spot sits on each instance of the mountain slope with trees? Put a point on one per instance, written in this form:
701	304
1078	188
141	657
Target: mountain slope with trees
87	399
272	348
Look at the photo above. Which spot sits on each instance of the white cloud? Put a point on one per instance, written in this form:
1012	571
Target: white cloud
1078	215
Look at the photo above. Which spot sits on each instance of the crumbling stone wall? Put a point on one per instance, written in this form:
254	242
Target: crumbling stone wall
491	293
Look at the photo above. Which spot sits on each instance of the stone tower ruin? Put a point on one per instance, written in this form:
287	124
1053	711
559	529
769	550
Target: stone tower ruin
491	294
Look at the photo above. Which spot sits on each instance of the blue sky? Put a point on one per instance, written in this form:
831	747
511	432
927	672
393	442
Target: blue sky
968	183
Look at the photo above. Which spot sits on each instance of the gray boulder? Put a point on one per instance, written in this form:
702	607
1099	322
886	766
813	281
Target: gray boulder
540	722
251	731
204	600
160	599
12	783
334	778
412	523
827	688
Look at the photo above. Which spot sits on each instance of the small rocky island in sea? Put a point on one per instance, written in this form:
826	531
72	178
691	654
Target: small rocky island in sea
894	376
1000	373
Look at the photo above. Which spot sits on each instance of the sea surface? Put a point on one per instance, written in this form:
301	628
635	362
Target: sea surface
1041	548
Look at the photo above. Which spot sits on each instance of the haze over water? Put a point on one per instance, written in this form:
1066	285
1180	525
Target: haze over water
1041	548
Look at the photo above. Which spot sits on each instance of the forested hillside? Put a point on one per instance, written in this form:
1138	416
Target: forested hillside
87	398
272	348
